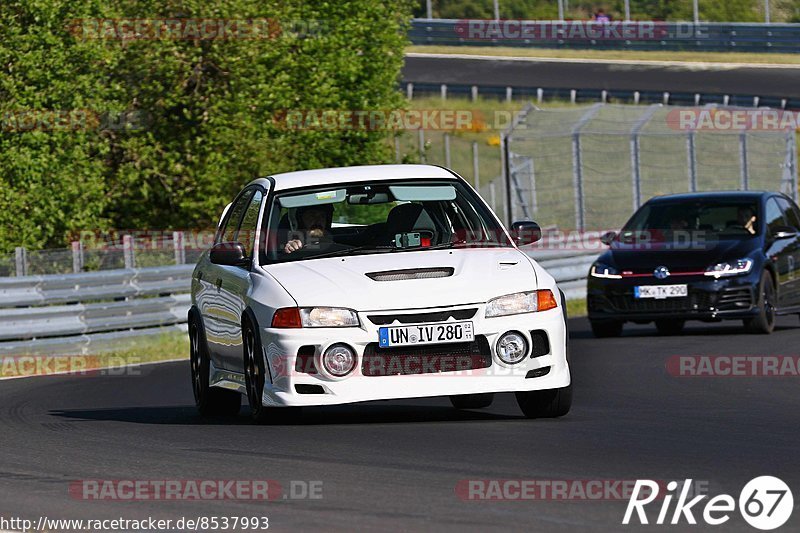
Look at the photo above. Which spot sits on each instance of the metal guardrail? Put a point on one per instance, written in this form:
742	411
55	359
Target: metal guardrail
569	268
93	312
85	313
704	36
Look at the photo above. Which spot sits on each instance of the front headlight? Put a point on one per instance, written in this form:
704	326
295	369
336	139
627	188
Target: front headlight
599	270
521	302
730	268
328	317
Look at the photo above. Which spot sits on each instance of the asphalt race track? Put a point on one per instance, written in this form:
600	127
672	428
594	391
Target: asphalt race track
395	465
610	75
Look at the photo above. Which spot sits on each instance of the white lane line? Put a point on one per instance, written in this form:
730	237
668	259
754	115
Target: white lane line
80	373
688	65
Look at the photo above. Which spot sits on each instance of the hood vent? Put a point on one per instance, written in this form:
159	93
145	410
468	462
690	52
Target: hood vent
411	273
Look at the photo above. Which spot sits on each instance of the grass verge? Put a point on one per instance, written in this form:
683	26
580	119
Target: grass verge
630	55
164	347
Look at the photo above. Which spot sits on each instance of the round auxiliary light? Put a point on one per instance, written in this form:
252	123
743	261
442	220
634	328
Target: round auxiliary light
339	360
512	347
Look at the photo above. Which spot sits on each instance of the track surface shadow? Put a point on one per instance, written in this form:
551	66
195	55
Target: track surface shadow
365	413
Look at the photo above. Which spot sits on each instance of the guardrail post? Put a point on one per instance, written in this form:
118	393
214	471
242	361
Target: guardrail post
443	90
474	93
77	256
421	140
447	150
127	251
539	95
509	93
410	90
21	260
180	247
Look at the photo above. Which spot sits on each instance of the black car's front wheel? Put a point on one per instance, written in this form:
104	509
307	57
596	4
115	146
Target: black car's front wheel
764	322
210	401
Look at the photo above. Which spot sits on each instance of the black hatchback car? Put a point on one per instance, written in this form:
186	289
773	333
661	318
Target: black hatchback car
699	256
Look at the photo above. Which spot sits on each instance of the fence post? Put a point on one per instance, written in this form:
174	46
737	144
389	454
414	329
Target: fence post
509	94
410	90
577	167
127	251
789	178
21	260
443	90
180	247
421	141
474	93
692	161
397	149
447	150
77	256
492	197
744	172
636	162
475	170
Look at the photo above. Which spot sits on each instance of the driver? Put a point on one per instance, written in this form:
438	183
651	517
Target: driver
746	218
314	221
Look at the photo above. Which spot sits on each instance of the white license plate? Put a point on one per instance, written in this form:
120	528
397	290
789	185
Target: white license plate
437	333
661	291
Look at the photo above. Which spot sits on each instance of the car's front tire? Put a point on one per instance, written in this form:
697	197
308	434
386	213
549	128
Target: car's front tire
255	378
764	322
472	401
210	401
669	326
548	403
606	328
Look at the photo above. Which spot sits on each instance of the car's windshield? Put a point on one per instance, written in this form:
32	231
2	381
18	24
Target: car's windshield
377	217
700	219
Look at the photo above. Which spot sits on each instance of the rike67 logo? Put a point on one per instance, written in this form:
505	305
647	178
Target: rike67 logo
765	503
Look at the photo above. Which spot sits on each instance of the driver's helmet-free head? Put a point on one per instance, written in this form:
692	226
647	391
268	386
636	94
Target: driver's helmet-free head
299	212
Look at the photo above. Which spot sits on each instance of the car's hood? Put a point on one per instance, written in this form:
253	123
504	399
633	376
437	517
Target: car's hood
478	275
679	258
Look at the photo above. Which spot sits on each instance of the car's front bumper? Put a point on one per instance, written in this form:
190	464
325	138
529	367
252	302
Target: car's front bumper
290	384
708	299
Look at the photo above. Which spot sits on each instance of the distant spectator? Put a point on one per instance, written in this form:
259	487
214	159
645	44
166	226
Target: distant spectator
601	17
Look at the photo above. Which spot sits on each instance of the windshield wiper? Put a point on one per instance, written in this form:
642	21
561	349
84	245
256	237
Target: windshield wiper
353	250
464	244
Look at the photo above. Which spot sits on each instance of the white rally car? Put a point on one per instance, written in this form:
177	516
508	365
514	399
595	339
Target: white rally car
366	283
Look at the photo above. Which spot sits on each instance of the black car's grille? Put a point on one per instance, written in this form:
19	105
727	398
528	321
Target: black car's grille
421	318
429	359
695	301
735	298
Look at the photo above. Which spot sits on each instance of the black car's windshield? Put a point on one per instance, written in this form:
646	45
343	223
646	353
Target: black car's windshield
729	219
378	217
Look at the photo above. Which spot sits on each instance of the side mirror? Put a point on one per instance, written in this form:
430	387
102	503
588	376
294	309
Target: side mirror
784	232
526	232
608	237
229	254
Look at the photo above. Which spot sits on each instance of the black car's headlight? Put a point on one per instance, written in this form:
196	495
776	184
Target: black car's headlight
603	271
730	268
